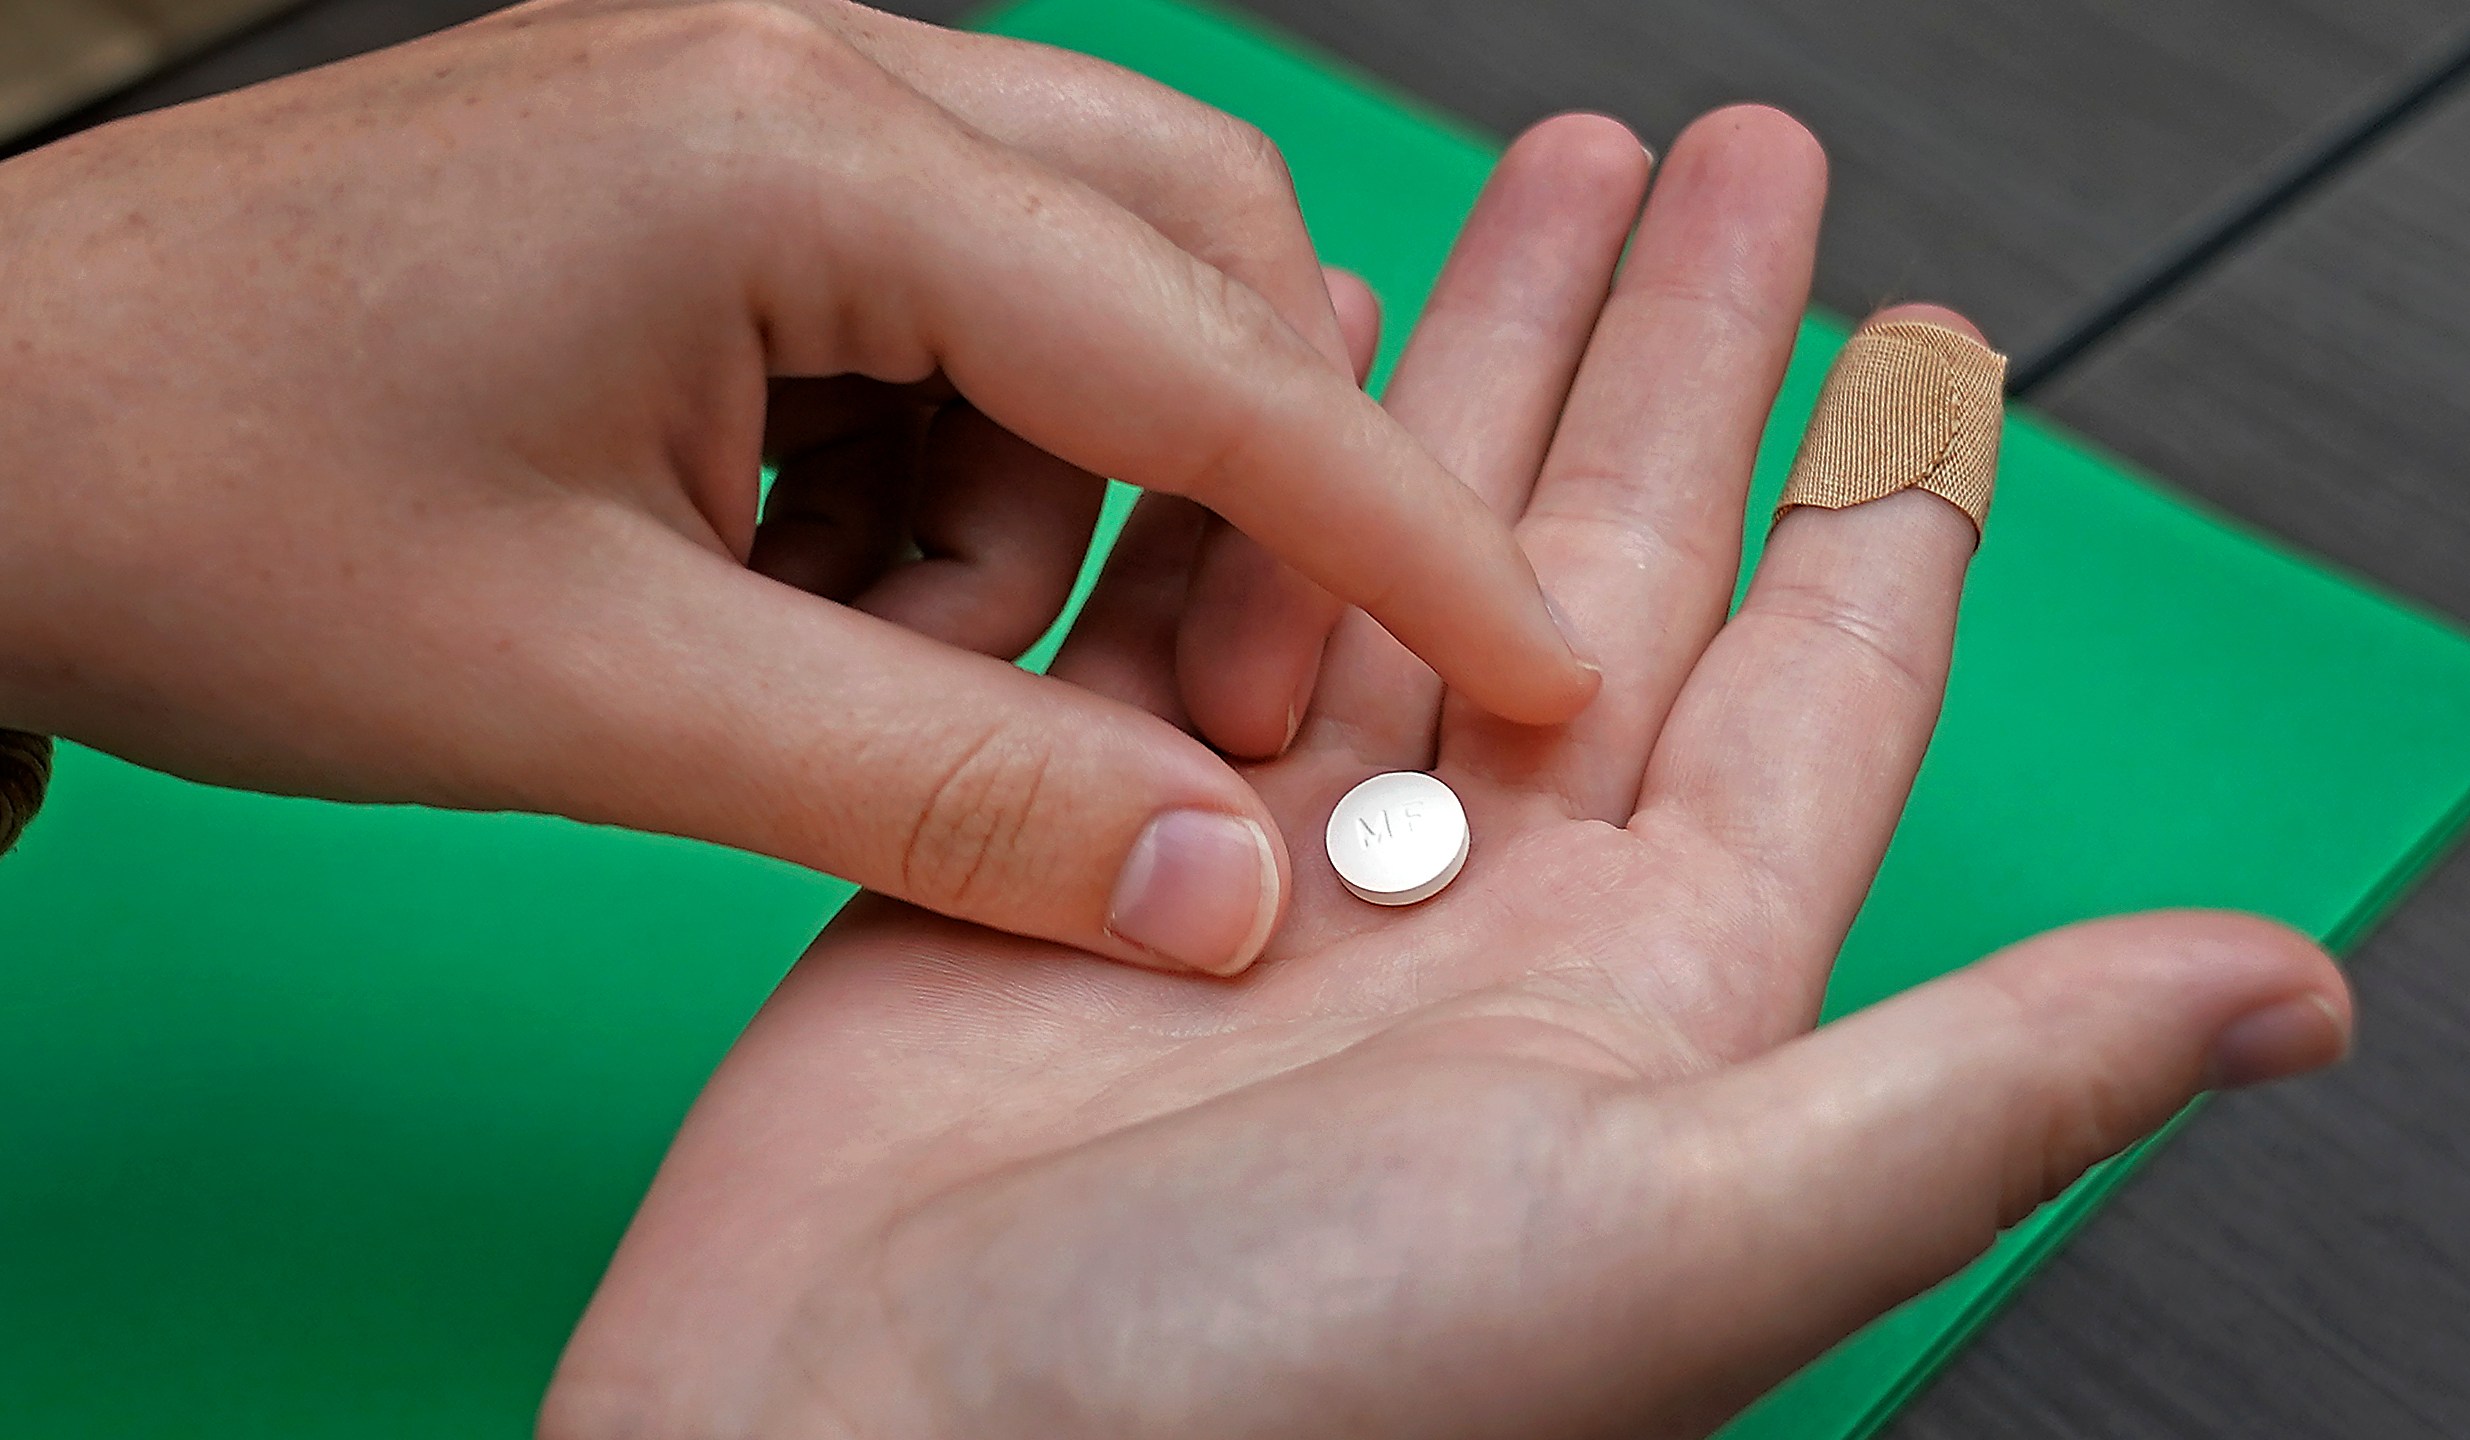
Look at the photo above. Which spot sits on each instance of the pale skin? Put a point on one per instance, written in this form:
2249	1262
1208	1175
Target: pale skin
393	432
1556	1153
390	434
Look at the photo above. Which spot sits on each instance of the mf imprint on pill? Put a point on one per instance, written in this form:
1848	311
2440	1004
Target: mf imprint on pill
1398	838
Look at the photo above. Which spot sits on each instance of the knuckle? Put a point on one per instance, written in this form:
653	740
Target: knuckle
2062	1116
1230	194
1592	513
967	842
2082	1122
753	90
1719	309
1243	322
729	50
1870	641
1253	161
1252	347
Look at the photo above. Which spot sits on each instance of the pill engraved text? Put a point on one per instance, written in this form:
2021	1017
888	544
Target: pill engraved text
1373	829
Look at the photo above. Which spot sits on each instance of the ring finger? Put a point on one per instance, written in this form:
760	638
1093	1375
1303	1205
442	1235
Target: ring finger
1794	744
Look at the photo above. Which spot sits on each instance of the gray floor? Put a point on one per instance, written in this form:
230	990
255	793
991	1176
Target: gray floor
2298	1265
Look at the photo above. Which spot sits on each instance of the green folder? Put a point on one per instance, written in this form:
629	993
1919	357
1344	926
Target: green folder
320	1121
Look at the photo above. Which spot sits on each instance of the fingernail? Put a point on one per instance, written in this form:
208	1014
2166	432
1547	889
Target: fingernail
1200	891
1569	634
1569	638
2288	1037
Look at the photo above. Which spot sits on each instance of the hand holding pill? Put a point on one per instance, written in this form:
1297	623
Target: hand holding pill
465	488
1552	1150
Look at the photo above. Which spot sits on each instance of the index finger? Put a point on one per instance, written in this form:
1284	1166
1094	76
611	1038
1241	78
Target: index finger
1217	187
1078	327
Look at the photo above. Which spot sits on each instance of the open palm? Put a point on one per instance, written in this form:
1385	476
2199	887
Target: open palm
1550	1154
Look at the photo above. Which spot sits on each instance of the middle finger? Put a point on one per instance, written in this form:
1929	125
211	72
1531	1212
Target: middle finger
1635	523
1480	384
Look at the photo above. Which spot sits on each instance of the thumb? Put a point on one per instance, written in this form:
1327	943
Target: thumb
684	695
1855	1167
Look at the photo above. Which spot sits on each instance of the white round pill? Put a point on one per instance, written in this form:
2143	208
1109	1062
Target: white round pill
1398	838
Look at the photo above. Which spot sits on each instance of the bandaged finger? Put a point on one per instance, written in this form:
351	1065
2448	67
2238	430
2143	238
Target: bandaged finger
1908	406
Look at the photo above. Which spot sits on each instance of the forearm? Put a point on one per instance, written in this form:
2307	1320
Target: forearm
25	759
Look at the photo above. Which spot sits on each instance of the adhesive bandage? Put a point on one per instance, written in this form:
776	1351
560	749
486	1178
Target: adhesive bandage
1909	405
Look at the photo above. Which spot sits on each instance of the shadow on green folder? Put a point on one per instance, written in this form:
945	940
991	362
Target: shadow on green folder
319	1121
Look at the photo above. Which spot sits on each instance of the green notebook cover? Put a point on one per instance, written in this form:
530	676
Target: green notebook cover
320	1121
